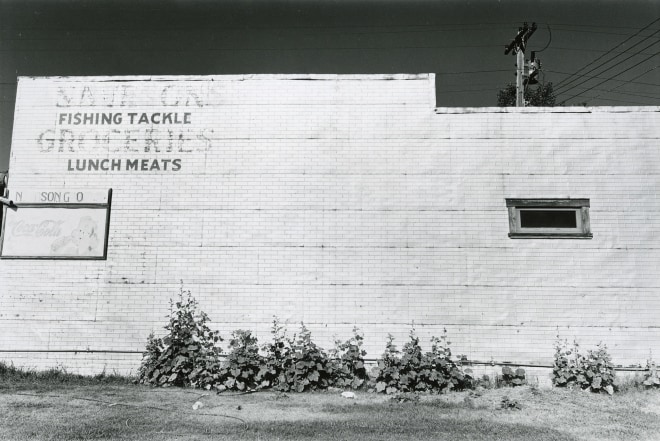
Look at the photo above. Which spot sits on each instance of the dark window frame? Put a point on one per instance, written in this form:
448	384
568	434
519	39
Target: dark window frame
580	206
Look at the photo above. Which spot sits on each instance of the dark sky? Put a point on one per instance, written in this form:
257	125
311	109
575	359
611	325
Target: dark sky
612	47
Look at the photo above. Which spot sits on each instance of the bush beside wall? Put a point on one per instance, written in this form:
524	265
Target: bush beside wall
189	355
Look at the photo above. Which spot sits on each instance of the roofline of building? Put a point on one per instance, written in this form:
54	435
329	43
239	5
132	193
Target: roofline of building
556	109
430	77
242	77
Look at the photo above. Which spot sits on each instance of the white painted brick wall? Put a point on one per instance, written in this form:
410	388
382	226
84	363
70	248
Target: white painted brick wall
337	201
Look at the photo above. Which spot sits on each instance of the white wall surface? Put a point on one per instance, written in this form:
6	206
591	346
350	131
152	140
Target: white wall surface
337	201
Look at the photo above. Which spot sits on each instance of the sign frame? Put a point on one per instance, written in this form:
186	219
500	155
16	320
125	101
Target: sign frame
71	206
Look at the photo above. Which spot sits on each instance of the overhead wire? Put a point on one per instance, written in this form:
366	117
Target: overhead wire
640	95
566	91
623	93
73	35
625	101
490	89
549	41
112	33
581	49
581	25
627	93
618	64
614	48
387	29
434	28
585	31
459	27
618	74
254	49
613	79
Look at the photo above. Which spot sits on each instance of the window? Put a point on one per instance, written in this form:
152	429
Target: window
549	218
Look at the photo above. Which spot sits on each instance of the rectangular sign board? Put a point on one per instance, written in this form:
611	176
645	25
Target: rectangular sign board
52	196
72	230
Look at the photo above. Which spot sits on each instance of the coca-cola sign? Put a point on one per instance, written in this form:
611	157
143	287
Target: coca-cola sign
44	228
62	232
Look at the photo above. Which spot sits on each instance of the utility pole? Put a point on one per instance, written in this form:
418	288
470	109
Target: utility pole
517	47
520	71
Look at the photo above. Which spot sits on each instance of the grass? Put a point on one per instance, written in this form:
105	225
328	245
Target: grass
15	378
60	406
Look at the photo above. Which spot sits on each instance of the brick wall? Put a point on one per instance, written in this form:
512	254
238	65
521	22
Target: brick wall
337	201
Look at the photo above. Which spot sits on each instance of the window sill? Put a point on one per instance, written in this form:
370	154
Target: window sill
551	236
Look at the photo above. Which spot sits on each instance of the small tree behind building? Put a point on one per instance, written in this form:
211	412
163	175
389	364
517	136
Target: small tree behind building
540	96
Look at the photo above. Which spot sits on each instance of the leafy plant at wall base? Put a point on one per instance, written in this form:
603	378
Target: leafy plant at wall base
483	382
411	377
387	372
150	358
306	366
275	356
415	371
243	363
593	370
447	374
348	357
188	354
513	378
598	370
651	378
565	366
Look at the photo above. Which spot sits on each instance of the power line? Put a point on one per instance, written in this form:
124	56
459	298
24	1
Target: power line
612	79
459	27
627	93
52	40
549	41
610	68
581	25
496	88
623	93
235	49
606	80
72	35
387	29
490	89
584	31
624	101
614	48
578	49
639	95
566	85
